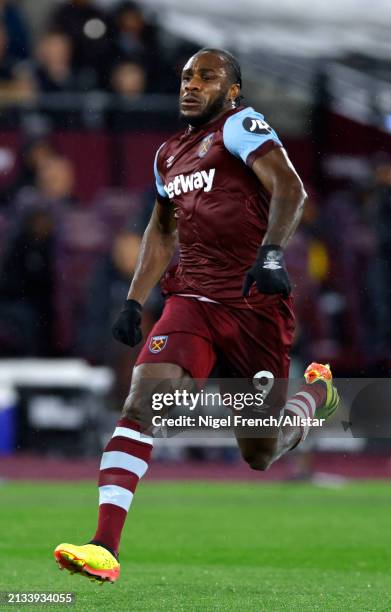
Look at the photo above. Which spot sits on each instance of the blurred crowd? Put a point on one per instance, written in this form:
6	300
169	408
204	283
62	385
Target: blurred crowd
340	261
84	48
65	266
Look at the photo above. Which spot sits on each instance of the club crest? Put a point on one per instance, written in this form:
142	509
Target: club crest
206	144
157	343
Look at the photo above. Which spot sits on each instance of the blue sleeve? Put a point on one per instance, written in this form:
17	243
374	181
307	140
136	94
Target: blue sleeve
247	135
158	180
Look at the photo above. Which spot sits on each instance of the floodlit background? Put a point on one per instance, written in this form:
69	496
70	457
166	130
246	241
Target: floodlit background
88	91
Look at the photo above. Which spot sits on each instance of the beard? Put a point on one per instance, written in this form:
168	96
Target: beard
207	114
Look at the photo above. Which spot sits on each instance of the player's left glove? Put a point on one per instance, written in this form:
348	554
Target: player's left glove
268	272
127	328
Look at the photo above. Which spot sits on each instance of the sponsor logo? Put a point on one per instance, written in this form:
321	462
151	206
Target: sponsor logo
183	183
206	145
256	126
157	343
272	261
170	161
271	265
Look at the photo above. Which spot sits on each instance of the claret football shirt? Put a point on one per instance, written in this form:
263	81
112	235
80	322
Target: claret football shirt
220	205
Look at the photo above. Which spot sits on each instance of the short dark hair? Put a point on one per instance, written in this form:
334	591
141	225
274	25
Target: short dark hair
235	73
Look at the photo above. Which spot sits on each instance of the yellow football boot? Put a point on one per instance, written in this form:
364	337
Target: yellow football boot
317	372
94	562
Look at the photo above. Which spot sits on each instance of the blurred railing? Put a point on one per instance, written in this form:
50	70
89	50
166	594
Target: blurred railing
91	110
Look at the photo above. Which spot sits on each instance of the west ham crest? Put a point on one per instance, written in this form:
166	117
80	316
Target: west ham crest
157	343
206	144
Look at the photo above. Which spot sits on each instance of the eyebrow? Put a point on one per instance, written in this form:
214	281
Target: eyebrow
202	70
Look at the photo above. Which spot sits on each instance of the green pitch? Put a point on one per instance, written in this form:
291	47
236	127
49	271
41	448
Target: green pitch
202	547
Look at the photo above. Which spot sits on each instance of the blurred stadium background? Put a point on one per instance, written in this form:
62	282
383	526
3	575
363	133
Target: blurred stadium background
88	91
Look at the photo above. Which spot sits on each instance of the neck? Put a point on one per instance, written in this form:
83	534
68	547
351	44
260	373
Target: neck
215	117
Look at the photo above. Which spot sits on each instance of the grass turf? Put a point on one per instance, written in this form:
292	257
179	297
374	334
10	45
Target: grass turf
202	547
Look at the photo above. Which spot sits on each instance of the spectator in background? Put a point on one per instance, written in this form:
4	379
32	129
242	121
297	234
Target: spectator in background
34	280
128	80
34	154
87	27
56	181
16	29
108	288
127	83
109	284
137	40
53	189
51	198
27	287
54	186
52	71
15	83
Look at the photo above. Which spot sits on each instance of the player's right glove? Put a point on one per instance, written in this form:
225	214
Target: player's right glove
127	328
268	272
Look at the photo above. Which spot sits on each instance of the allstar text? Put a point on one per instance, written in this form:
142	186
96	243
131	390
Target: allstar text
235	420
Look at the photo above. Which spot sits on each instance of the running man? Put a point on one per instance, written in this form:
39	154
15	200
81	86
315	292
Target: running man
228	193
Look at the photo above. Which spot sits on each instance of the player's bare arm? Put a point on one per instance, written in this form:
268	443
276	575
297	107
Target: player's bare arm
156	251
277	174
287	197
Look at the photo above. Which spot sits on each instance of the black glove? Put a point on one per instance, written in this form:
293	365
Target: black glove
268	272
127	328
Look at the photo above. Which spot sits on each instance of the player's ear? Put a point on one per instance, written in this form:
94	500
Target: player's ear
233	92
